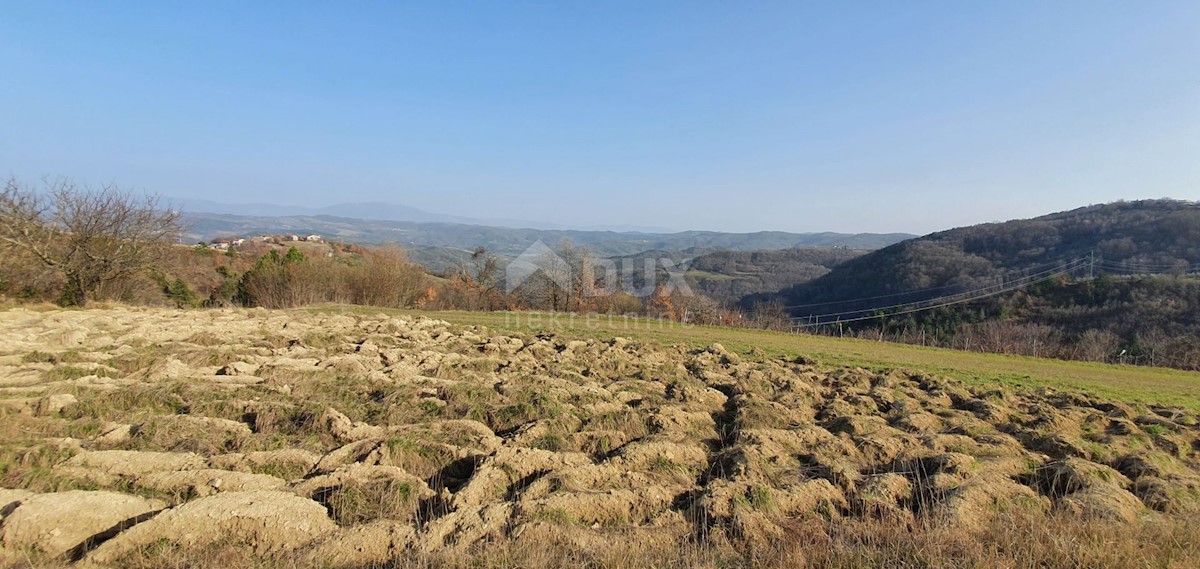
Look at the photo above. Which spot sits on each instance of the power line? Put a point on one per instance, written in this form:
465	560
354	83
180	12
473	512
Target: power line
1054	264
945	304
985	289
1146	267
1126	264
1061	269
1067	267
931	289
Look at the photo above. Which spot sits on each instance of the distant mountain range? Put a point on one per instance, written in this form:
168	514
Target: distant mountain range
440	244
376	211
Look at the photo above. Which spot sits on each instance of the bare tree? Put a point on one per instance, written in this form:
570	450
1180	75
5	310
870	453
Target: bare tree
771	315
580	275
1096	345
89	237
554	284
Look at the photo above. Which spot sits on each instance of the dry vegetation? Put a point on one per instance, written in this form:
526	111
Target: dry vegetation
256	438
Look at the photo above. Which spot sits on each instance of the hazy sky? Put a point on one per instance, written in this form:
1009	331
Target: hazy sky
739	116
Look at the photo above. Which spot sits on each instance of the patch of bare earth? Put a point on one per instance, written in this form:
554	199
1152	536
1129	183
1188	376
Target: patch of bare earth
148	438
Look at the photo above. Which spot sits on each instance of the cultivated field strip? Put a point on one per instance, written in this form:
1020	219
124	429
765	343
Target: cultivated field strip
354	440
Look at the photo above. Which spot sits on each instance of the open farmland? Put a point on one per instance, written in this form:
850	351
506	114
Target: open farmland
333	437
1125	383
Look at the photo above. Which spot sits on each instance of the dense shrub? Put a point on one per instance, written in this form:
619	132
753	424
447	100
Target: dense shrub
378	277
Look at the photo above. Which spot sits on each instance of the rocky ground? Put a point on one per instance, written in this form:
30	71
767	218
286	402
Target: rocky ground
337	440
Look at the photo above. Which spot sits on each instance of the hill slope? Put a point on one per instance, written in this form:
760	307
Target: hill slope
1144	320
1152	236
727	276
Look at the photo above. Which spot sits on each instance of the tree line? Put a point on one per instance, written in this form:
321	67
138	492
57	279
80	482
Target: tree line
1143	320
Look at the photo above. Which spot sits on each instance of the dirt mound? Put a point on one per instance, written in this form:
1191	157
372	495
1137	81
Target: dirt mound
369	545
511	469
284	463
68	523
975	501
361	493
108	467
207	481
345	430
1108	502
267	522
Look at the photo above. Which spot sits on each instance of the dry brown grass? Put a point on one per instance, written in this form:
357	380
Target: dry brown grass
1011	542
1017	539
362	501
25	458
419	458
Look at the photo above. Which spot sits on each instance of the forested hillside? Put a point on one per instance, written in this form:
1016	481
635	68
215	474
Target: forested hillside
1146	320
727	276
1141	237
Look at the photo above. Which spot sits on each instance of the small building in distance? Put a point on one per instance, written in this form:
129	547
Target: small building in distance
226	243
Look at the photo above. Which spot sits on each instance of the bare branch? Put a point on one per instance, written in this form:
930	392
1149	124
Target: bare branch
90	237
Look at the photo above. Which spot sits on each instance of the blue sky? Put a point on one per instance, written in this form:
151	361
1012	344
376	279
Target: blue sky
738	116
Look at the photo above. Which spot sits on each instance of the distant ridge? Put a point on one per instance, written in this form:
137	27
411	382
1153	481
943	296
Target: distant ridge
429	239
376	211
